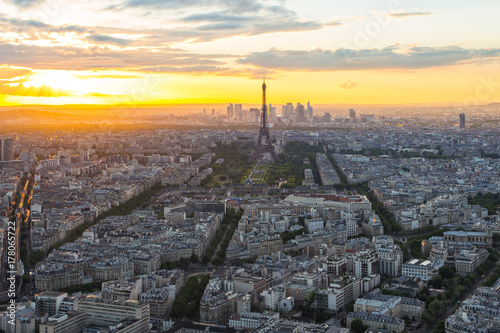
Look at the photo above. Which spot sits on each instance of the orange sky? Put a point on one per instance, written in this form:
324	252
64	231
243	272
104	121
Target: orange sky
170	52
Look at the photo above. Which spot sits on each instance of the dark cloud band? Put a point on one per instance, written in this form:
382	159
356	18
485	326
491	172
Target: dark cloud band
348	59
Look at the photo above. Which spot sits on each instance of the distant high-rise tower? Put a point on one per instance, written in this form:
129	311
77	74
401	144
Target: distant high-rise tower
238	112
237	108
287	111
254	115
300	113
309	112
272	113
264	144
6	149
461	117
352	115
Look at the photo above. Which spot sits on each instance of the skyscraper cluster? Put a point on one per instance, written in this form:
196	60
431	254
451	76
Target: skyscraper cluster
299	113
289	113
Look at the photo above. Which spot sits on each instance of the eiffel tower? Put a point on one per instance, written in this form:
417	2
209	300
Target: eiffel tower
264	144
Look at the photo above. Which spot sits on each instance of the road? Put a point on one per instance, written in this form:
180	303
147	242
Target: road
15	217
451	307
198	269
203	269
19	211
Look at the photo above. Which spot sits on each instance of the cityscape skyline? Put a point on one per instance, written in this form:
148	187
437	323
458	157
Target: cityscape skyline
257	166
355	226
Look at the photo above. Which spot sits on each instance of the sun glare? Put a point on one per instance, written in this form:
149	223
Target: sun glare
58	79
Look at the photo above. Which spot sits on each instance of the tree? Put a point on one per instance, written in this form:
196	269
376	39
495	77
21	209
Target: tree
256	307
437	307
391	292
36	256
191	311
436	281
357	326
194	258
350	307
496	238
446	272
217	261
440	328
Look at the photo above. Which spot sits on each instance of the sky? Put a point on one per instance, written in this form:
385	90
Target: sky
162	52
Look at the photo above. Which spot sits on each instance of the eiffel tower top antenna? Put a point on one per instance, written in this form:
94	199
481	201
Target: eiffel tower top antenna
264	105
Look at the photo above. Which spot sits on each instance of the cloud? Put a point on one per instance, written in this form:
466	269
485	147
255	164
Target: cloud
215	17
101	95
36	30
196	70
396	14
15	24
285	26
69	28
25	3
220	26
204	27
109	40
108	76
346	59
404	14
276	19
243	6
32	27
348	85
333	23
237	6
12	82
94	58
32	91
10	73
